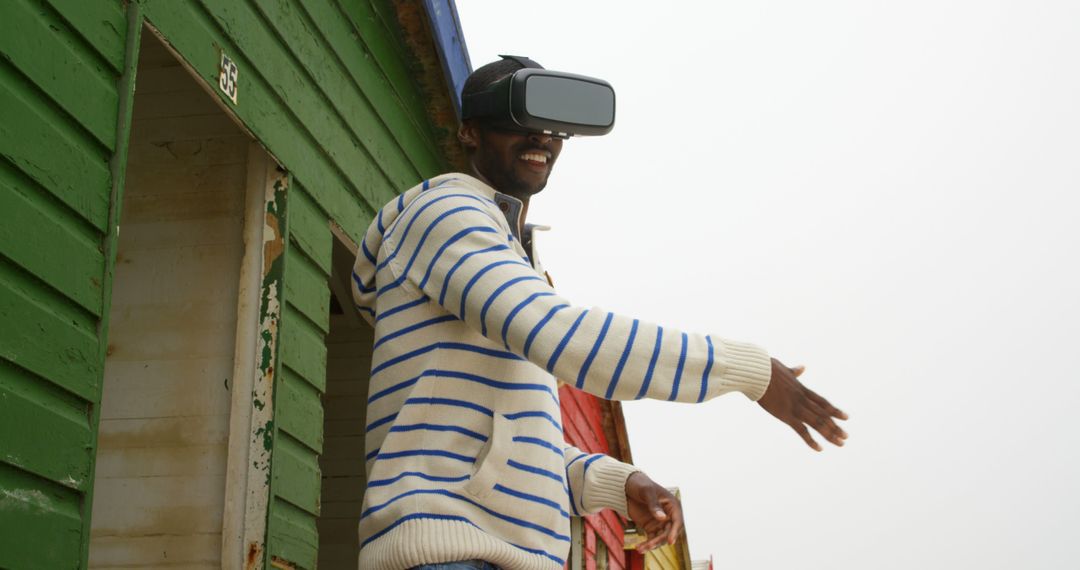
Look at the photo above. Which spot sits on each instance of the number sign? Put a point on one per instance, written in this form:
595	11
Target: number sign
227	77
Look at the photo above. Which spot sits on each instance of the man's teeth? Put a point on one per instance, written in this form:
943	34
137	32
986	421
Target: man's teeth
534	157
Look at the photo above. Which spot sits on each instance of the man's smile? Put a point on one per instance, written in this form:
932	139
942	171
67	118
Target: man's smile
535	158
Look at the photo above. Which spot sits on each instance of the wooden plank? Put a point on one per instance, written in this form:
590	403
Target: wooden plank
345	446
46	430
206	461
575	435
306	289
346	427
198	38
43	336
164	505
42	46
342	96
179	431
189	102
50	242
40	524
348	464
200	156
199	551
292	535
608	528
388	50
299	410
337	530
101	23
158	80
310	228
355	82
344	509
160	476
138	388
296	476
302	348
171	129
344	406
169	331
590	406
268	56
117	170
44	145
576	422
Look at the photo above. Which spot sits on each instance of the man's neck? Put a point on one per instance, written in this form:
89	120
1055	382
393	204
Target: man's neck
523	199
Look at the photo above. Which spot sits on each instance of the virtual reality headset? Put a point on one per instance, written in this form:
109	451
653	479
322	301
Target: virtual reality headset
539	100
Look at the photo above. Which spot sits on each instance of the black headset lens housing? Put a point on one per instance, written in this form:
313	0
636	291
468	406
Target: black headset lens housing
538	100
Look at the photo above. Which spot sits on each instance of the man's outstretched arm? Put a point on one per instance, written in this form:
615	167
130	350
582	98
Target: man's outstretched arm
450	246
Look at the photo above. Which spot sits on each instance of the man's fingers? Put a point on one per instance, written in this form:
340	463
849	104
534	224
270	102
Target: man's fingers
798	370
653	502
652	542
800	429
829	408
819	419
653	527
676	518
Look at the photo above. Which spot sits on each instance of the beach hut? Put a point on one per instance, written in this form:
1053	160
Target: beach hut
183	184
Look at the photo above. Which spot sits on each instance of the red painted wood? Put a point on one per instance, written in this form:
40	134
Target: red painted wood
576	412
582	418
607	527
590	549
572	433
591	406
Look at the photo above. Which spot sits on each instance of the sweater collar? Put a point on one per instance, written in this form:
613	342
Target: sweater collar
510	206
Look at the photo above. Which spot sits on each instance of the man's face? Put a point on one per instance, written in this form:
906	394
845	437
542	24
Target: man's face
514	163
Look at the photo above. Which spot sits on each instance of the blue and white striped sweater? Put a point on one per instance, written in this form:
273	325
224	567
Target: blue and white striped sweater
466	457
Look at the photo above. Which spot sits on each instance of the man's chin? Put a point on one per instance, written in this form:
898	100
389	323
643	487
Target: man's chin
523	189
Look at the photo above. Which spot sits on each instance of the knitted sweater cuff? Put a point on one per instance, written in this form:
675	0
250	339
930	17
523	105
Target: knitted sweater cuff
607	485
748	368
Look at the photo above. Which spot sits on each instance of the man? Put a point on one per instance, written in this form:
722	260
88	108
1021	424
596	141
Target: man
466	461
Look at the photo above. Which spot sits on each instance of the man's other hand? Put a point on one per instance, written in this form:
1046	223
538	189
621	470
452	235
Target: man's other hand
654	510
799	407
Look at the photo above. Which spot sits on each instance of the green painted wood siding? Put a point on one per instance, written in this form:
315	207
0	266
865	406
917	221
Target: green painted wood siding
327	86
62	77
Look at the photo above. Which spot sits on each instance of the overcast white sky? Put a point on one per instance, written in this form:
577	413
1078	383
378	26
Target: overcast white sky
886	192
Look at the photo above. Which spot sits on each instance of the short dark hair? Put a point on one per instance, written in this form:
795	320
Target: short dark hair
484	76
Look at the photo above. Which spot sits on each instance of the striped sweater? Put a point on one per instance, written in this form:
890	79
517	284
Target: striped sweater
465	451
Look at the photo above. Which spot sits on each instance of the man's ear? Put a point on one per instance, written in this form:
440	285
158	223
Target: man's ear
468	134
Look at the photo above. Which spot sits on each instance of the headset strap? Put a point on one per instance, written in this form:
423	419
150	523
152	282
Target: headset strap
524	61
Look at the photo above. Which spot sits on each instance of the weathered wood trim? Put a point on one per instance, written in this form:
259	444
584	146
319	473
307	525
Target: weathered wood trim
261	432
241	413
118	169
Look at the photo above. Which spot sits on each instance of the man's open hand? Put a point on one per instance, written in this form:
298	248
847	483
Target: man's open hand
654	510
799	407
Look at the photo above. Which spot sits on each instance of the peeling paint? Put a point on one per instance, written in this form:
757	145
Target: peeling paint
278	562
23	500
252	559
261	441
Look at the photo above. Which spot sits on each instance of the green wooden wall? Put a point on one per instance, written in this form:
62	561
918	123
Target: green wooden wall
62	98
327	86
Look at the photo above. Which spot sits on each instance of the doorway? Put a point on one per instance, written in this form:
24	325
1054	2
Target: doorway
163	443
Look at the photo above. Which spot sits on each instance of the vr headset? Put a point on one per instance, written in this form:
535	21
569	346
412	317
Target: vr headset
538	100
